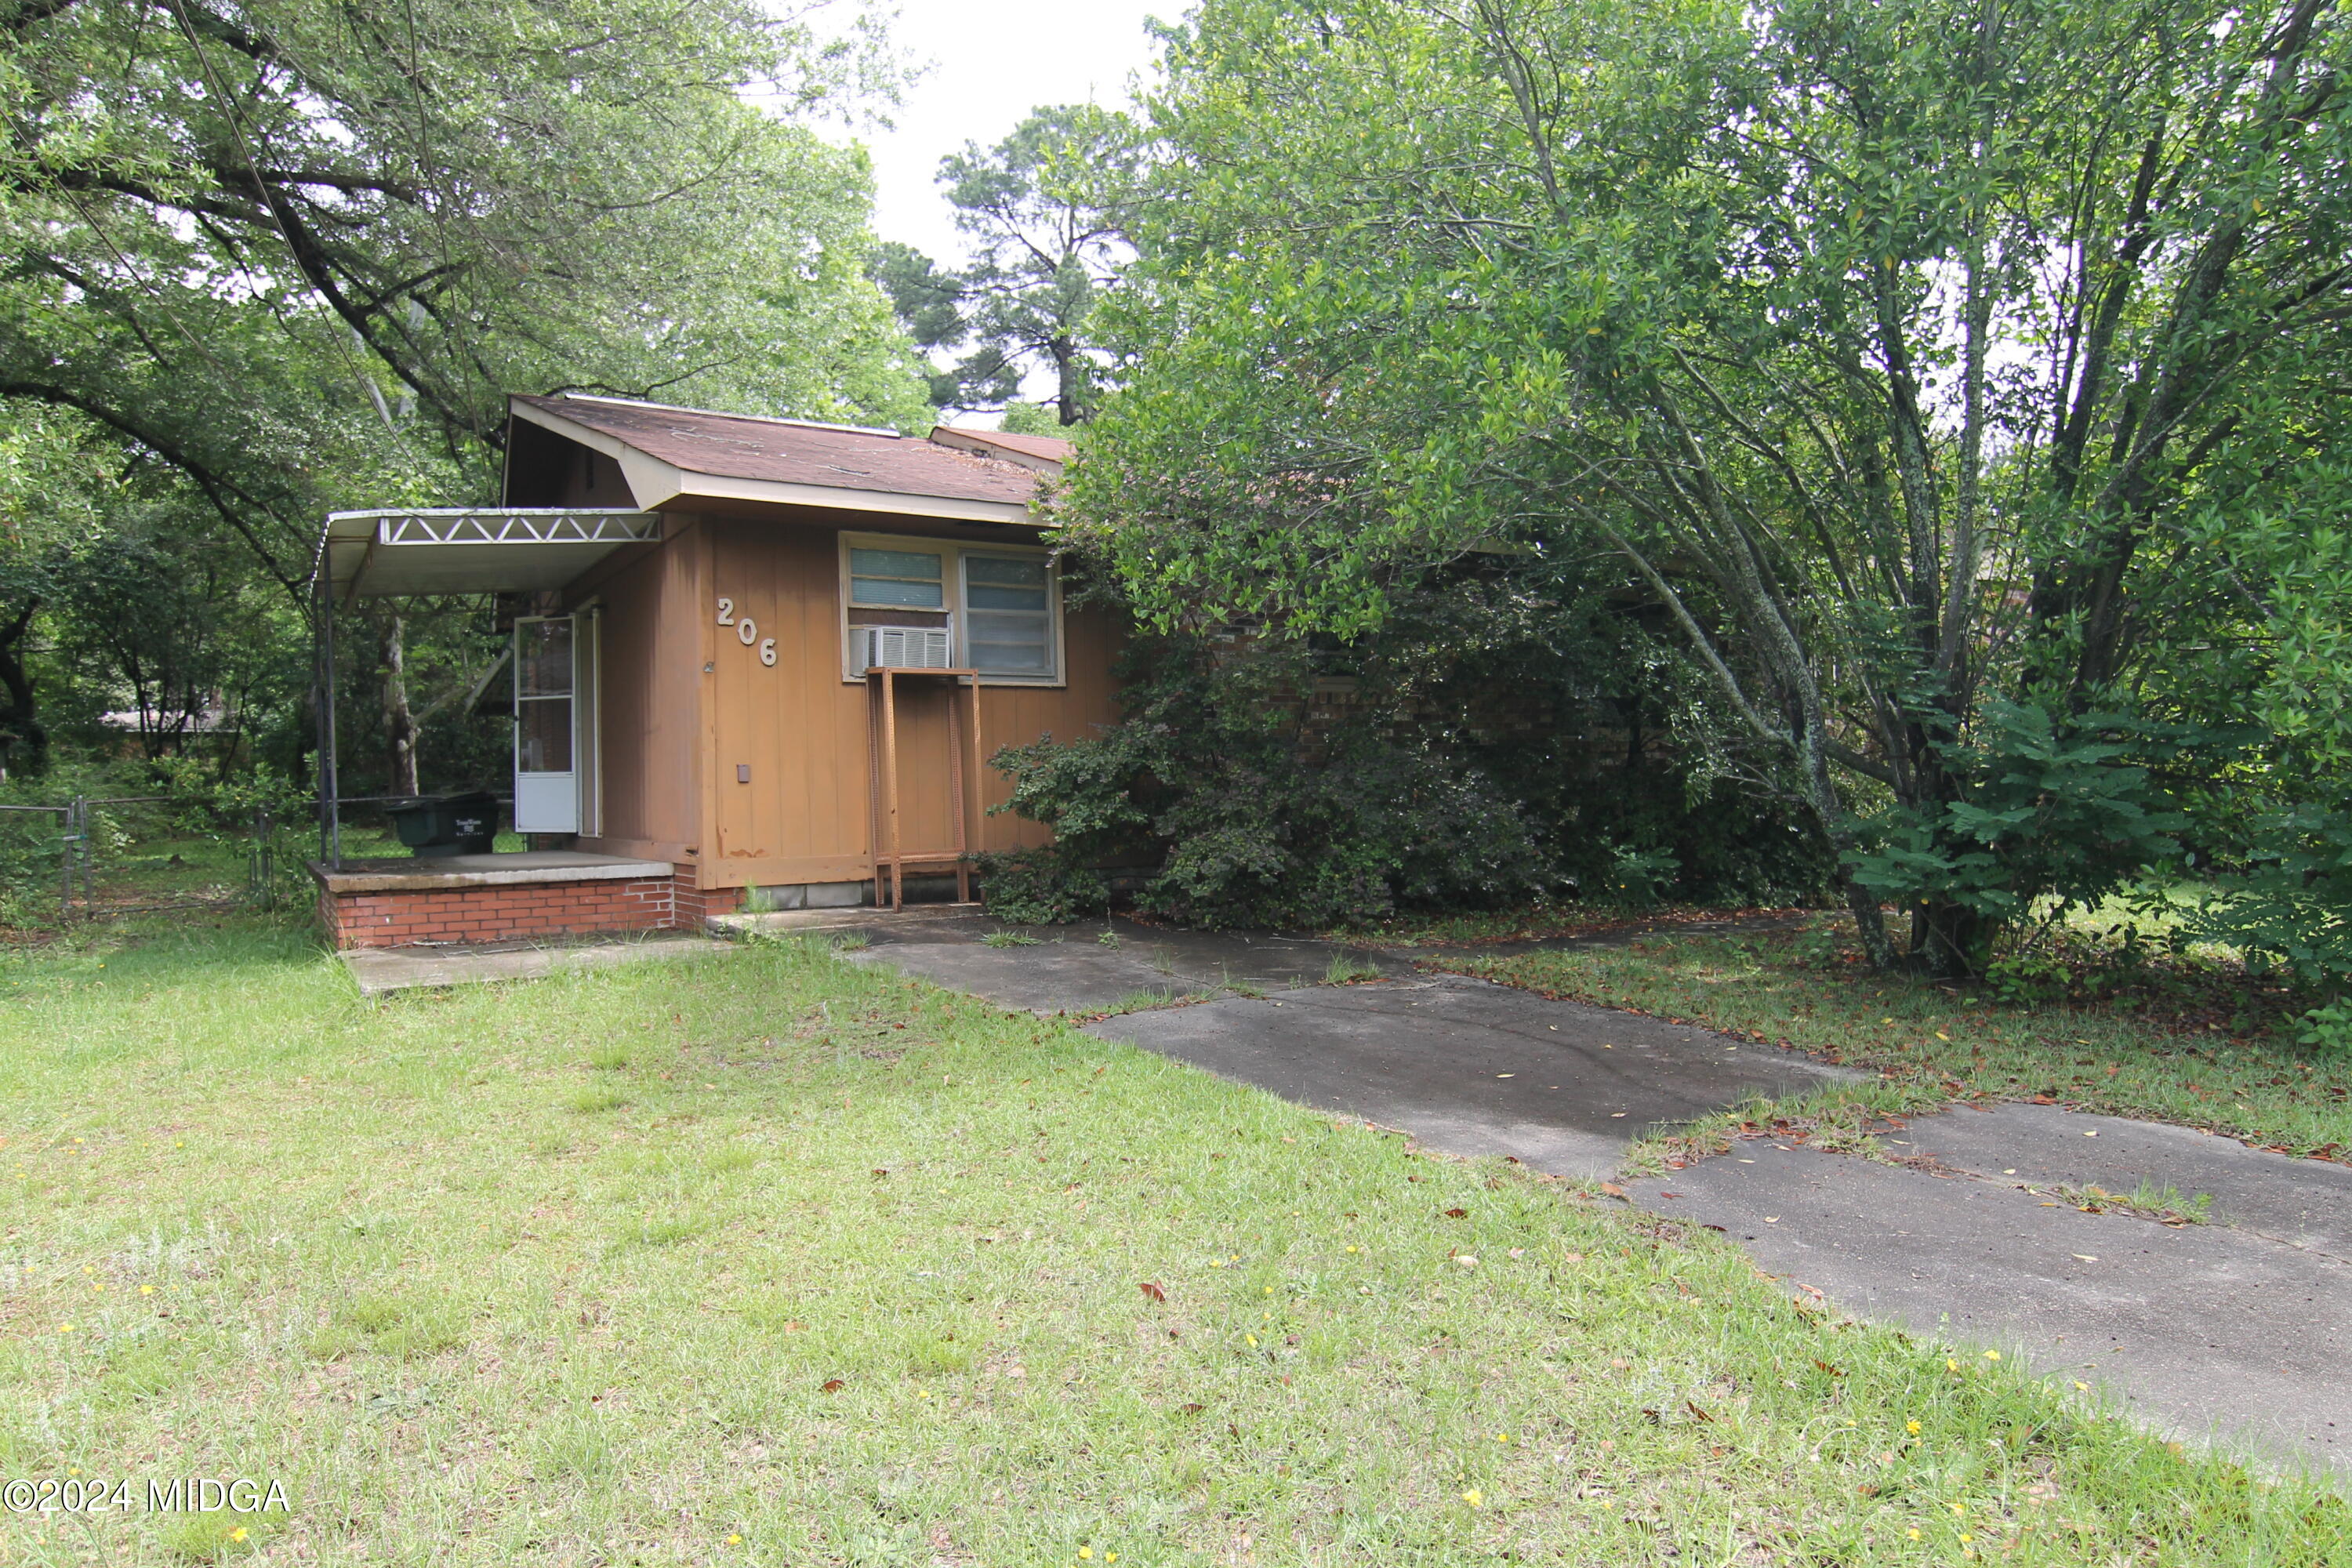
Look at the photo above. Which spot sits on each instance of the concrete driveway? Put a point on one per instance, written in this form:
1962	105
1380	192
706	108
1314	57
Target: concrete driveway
2238	1331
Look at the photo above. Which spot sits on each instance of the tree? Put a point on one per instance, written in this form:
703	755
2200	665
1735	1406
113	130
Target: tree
297	253
1888	345
1044	210
54	477
263	240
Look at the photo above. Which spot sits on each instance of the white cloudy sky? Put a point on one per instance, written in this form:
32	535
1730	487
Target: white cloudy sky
992	61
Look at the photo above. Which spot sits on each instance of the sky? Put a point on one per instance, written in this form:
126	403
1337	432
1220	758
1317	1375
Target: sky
992	61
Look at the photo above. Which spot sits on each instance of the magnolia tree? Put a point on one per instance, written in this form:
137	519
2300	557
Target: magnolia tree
1960	379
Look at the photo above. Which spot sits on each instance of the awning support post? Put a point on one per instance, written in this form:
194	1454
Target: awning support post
331	816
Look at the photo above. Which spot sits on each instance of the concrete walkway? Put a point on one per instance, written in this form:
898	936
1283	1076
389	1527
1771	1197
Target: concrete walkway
2239	1328
2237	1331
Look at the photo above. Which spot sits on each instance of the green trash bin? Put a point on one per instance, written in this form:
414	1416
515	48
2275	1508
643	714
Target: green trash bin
438	826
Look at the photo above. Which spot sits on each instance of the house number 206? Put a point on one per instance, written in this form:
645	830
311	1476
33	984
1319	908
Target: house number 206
747	632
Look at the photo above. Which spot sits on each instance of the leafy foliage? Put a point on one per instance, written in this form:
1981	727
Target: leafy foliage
269	260
1909	376
1046	211
2052	811
1206	781
1483	750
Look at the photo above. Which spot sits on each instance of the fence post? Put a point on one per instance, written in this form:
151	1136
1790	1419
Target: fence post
262	883
76	847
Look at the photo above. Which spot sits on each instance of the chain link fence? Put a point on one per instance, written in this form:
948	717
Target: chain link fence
92	856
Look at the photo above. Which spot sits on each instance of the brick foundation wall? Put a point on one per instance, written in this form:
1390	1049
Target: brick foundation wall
695	904
506	912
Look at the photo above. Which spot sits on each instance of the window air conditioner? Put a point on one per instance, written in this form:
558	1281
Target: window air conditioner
904	647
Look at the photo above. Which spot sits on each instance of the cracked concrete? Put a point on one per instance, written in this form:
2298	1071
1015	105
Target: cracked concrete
1474	1069
2238	1331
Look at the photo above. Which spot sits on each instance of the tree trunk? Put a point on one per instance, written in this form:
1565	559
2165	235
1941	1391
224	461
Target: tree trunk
1949	941
399	724
1069	391
20	722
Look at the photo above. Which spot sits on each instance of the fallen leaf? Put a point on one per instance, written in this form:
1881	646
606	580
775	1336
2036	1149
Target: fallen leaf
1696	1411
831	1386
1191	1409
1152	1290
1457	1213
1826	1367
1612	1189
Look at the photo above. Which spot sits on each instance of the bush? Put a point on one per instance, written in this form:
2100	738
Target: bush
1250	818
1041	887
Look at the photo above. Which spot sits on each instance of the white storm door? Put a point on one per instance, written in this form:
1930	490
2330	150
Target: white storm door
547	726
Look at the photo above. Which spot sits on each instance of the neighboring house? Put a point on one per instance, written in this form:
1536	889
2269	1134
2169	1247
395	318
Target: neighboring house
749	654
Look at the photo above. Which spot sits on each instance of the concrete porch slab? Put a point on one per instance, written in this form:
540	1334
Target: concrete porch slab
414	875
378	970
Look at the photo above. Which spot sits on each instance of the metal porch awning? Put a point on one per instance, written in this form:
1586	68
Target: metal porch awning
465	550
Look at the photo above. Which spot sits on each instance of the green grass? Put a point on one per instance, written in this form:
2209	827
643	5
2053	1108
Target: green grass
781	1259
2198	1048
1523	924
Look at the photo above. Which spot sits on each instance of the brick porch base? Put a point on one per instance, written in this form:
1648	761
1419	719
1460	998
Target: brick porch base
506	898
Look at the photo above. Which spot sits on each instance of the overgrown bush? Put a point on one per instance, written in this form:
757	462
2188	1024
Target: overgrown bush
1233	800
1245	815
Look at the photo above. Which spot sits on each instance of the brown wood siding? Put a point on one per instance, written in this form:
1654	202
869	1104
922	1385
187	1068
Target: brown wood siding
649	693
1020	715
803	733
673	736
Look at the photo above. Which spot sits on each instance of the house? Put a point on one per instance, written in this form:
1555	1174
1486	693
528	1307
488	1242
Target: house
756	661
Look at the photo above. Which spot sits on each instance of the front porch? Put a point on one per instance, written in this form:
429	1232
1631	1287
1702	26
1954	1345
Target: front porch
466	899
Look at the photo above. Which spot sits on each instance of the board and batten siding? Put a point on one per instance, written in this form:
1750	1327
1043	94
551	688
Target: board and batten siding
650	752
801	731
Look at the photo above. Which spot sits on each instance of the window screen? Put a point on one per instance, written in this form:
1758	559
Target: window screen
907	577
543	693
1008	619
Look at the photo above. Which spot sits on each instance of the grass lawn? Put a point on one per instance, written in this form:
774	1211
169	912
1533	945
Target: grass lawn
779	1259
2188	1043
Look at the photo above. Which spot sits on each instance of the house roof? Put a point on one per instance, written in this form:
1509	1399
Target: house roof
667	454
1046	454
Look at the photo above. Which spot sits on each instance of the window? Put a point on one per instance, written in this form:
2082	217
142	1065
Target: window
1000	609
896	577
1008	619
